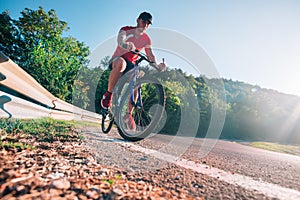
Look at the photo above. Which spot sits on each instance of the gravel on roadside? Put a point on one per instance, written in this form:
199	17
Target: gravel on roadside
68	170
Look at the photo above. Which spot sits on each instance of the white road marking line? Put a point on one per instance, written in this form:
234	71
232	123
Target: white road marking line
268	189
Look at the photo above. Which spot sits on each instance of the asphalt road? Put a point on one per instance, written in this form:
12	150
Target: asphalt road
207	169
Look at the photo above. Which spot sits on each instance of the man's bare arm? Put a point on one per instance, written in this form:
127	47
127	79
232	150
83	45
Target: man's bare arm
152	58
123	43
150	55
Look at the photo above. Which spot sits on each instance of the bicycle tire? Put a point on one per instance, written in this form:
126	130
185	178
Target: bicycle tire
107	122
146	118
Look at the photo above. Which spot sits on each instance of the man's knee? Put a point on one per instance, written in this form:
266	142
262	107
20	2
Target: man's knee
119	64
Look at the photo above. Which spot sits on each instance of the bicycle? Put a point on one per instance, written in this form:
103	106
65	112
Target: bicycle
144	94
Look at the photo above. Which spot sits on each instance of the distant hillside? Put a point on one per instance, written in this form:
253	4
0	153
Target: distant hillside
255	113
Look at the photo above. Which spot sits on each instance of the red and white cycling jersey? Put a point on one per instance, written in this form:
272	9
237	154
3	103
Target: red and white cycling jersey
140	43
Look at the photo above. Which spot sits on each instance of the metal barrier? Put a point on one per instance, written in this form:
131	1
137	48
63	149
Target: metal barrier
18	80
44	104
14	107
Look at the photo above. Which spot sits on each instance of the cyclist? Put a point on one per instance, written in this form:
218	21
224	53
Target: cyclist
129	39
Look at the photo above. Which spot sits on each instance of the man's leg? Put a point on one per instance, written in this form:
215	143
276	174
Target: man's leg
128	119
118	67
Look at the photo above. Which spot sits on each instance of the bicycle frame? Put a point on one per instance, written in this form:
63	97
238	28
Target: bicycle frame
135	102
132	83
134	79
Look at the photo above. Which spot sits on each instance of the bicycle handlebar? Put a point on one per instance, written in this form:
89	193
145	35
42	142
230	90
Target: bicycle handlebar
143	57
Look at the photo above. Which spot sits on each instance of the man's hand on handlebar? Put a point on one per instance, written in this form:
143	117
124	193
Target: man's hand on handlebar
161	67
129	46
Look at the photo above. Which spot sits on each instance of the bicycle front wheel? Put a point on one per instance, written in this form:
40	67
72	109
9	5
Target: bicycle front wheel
146	114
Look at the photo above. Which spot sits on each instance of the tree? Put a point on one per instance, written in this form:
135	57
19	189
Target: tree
38	46
8	35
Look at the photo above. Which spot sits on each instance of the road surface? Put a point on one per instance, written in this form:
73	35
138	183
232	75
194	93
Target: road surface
205	168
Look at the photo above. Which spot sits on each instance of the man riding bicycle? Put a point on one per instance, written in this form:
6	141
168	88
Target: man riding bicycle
129	39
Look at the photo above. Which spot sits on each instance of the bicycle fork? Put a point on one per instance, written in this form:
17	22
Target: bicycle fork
135	102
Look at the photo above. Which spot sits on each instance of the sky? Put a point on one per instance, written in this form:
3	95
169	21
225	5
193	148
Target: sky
254	41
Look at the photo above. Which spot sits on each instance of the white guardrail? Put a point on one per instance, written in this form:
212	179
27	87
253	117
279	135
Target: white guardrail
24	97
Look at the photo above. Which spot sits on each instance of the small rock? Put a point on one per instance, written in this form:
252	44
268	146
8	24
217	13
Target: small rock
55	175
78	161
118	191
92	194
20	188
61	184
197	185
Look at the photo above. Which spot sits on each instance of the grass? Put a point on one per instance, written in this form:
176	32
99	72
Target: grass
83	124
42	130
110	181
288	149
16	145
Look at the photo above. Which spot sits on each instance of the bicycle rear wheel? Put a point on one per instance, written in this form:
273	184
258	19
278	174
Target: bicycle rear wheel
107	121
146	117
